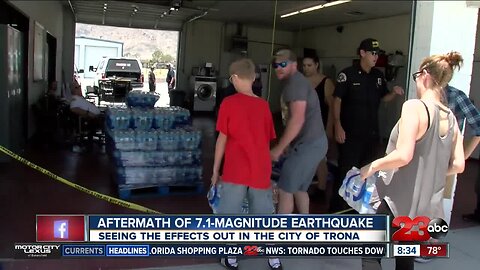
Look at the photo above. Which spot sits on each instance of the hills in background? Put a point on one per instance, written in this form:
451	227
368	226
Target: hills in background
139	43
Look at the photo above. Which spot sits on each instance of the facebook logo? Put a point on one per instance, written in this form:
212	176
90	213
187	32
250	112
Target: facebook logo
60	229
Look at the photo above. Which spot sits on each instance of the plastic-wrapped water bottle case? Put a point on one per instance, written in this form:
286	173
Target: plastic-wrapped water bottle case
360	194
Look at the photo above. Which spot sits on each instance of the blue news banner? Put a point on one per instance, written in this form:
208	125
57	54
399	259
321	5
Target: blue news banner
219	236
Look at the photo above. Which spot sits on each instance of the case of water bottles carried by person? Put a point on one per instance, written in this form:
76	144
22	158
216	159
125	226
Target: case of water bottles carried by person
152	146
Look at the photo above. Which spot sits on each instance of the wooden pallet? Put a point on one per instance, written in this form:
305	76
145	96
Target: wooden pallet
158	191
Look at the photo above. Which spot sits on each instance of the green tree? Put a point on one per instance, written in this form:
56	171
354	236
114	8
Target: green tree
159	57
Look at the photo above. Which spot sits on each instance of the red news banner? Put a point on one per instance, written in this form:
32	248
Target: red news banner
434	250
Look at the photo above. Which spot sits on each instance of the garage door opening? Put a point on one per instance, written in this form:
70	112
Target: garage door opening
149	51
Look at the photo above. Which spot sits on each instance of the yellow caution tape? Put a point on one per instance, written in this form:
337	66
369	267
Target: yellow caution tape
91	192
343	211
78	187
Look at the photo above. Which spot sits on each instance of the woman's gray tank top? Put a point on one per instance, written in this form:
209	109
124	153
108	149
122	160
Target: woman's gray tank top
416	189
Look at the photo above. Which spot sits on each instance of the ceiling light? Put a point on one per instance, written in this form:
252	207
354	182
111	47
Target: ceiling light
334	3
305	10
290	14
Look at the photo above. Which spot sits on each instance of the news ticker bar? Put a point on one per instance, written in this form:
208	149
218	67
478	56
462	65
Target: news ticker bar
41	250
377	250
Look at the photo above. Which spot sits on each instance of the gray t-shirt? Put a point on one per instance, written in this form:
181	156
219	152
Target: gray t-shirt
298	88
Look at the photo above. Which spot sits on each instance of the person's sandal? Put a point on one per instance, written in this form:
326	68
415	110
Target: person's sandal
226	264
275	266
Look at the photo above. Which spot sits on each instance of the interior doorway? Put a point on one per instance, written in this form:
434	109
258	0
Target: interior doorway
51	58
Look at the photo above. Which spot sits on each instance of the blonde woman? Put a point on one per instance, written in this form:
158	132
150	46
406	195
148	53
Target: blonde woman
425	146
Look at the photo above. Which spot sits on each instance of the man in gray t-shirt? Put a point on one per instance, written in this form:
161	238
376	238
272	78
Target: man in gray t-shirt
304	135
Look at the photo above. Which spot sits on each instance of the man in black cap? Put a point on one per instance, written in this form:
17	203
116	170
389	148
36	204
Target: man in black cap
357	96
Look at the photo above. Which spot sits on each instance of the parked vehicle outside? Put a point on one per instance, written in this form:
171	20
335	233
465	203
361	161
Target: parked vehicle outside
117	76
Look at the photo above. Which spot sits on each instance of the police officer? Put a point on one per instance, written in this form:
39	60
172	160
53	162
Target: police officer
357	96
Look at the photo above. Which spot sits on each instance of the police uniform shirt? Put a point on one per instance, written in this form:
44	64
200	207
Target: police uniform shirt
361	94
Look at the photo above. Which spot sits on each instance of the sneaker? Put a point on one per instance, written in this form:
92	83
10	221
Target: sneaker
423	259
275	266
226	264
471	217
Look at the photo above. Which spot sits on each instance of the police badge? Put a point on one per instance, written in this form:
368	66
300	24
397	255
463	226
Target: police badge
341	77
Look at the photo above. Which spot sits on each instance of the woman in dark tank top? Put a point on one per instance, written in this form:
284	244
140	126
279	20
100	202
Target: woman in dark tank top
425	147
324	87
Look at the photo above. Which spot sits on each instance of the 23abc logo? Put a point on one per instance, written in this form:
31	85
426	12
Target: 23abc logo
252	250
436	228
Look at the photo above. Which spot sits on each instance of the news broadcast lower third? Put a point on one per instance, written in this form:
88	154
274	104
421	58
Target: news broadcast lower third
345	236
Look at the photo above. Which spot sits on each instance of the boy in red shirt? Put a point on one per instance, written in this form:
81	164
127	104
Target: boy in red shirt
245	129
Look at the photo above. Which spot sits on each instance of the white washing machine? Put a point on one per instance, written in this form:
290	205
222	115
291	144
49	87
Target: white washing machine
205	91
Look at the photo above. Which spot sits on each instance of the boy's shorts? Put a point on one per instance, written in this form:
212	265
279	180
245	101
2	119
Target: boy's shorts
260	201
301	164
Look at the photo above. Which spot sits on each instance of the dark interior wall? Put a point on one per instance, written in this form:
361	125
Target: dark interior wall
9	15
68	53
13	90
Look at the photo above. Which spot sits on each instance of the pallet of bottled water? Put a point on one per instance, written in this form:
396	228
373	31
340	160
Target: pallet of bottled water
141	99
176	149
156	158
137	177
180	139
162	118
153	147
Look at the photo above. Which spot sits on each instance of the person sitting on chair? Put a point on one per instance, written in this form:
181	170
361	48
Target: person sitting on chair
79	105
92	116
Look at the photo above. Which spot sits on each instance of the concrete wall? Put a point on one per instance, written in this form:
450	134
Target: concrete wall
340	48
59	22
208	41
68	44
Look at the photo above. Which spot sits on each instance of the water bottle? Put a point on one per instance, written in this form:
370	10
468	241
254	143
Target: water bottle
129	139
213	197
180	174
169	121
158	120
151	140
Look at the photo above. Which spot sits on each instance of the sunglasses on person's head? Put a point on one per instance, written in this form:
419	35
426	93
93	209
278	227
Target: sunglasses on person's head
281	64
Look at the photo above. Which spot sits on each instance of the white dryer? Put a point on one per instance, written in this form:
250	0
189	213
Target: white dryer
205	92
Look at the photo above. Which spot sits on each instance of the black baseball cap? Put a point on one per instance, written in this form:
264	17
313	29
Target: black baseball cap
369	45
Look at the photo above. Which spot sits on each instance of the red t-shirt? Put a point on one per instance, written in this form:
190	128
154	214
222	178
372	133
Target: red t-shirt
247	123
